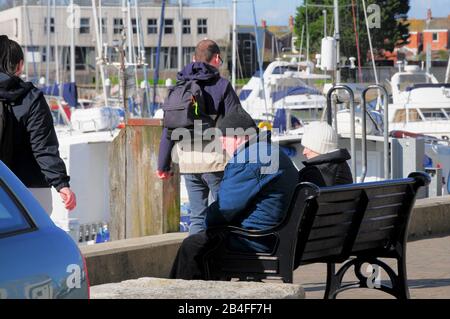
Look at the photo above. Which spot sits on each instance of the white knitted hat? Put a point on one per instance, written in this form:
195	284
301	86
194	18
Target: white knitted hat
320	137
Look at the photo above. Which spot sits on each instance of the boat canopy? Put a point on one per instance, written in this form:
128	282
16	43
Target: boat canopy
69	92
297	90
245	93
428	85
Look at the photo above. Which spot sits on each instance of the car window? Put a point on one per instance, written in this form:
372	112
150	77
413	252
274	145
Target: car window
12	217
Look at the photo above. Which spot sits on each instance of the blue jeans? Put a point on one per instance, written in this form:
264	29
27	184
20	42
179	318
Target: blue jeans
199	188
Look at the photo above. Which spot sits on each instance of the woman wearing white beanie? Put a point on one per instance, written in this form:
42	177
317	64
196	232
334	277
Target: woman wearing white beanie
320	142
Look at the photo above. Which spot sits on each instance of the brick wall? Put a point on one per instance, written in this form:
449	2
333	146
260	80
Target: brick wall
440	44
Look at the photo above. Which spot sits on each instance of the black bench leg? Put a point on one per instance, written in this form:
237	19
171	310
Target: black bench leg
334	279
332	285
402	280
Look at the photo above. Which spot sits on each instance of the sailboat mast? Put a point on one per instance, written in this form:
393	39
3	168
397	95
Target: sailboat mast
447	74
233	54
129	33
47	56
99	51
27	74
56	50
145	104
72	42
337	36
100	27
180	34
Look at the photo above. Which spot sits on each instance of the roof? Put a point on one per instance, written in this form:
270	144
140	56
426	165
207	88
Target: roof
279	31
439	23
416	25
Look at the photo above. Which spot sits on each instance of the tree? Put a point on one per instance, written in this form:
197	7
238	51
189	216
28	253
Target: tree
393	29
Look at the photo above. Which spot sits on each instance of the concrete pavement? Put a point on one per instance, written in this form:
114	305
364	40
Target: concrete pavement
428	266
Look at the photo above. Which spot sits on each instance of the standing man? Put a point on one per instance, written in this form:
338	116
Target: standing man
202	170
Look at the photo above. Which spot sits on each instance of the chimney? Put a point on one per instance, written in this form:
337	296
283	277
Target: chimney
429	15
264	24
291	23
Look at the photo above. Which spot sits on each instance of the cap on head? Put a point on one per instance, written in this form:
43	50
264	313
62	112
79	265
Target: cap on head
320	138
238	123
205	51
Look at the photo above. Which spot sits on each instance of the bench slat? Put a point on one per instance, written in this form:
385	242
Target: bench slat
329	208
375	235
320	254
339	196
323	232
327	243
386	199
371	224
381	211
330	220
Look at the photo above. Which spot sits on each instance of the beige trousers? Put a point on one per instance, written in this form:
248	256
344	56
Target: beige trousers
44	197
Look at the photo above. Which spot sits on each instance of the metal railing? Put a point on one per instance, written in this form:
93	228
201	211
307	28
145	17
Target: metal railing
385	129
352	120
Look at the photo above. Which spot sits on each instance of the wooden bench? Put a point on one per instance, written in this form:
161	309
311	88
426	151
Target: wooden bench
351	224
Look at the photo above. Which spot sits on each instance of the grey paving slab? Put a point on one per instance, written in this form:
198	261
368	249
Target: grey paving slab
428	265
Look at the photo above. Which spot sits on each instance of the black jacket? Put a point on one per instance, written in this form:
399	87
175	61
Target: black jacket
333	166
36	161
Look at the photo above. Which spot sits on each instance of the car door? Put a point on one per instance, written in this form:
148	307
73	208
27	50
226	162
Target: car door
37	259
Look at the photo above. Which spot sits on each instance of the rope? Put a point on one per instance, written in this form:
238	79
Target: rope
260	56
158	53
357	41
370	42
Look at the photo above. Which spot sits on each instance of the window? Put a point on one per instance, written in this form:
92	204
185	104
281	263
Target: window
85	27
150	57
52	25
117	25
186	26
188	55
152	26
202	26
44	54
435	37
104	25
413	115
168	26
134	25
173	58
12	218
433	114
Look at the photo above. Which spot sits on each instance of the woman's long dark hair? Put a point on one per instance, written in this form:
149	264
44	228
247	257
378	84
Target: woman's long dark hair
10	55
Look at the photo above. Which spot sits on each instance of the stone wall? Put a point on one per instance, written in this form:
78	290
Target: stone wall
153	256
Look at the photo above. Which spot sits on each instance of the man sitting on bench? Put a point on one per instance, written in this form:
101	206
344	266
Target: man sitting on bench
257	186
326	165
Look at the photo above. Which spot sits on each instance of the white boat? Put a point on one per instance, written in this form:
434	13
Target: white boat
420	104
285	87
85	138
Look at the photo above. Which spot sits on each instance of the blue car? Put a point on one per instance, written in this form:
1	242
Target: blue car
38	260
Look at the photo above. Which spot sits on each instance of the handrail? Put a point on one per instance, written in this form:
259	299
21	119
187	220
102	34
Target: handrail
352	124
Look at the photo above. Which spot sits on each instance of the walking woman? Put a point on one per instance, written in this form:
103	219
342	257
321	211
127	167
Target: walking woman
28	142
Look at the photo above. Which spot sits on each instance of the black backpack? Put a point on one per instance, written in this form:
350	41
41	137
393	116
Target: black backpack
6	133
184	105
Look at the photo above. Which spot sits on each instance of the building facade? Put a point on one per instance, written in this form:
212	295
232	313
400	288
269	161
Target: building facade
433	32
28	26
